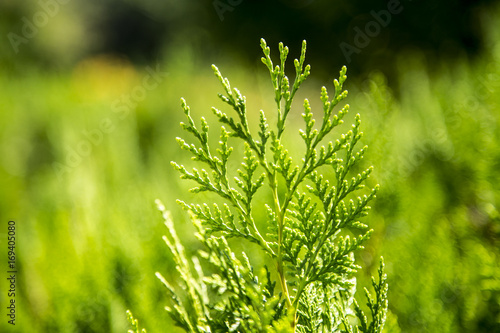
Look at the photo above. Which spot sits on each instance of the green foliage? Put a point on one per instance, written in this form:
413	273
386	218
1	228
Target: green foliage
89	249
440	200
135	324
309	219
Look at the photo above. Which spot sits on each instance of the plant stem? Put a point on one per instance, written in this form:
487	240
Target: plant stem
280	216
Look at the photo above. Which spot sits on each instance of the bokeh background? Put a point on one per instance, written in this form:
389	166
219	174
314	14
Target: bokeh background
89	98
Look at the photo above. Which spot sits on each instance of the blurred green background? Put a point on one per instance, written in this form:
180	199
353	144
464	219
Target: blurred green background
90	110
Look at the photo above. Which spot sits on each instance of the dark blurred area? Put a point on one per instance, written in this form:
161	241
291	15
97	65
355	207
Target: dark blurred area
366	35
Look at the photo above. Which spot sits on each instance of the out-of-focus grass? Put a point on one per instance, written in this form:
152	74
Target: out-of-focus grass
89	235
437	155
89	239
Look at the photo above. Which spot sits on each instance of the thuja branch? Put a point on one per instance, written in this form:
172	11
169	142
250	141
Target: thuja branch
307	222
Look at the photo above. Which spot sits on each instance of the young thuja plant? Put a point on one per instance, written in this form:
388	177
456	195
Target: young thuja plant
309	220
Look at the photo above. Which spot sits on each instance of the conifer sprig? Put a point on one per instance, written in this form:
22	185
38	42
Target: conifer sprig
310	221
135	324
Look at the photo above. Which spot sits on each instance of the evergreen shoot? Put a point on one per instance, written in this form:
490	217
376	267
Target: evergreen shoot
312	227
